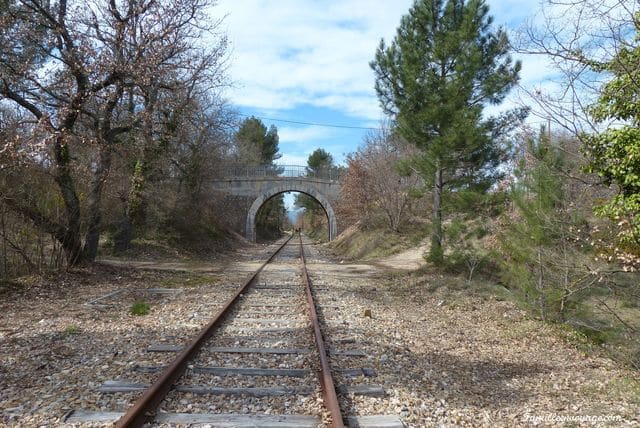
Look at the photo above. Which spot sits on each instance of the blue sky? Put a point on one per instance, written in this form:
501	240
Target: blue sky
308	61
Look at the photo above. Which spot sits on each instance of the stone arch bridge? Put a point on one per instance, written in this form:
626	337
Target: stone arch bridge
264	182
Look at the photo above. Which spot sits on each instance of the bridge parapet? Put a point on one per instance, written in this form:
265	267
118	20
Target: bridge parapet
280	171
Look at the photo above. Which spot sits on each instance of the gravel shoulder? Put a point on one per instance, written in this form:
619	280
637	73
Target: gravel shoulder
447	356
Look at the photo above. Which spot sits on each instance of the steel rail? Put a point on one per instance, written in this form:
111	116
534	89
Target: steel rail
142	410
326	381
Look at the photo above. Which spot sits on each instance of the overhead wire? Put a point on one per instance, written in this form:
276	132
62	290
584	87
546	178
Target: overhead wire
330	125
297	122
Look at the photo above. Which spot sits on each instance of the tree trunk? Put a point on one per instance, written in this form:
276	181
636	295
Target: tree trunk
134	212
436	252
5	264
566	288
71	240
541	299
122	237
90	249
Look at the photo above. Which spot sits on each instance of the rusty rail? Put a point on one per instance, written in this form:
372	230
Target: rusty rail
142	410
328	388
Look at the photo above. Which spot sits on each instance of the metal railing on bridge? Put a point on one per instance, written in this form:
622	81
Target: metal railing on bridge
289	171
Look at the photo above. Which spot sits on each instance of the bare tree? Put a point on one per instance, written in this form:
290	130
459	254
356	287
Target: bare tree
379	180
201	146
182	75
577	38
355	200
83	75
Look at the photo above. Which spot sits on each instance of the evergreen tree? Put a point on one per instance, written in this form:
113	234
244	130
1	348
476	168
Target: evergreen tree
256	144
444	66
320	161
543	260
538	198
318	164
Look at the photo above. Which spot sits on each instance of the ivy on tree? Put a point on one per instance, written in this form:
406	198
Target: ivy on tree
444	66
85	79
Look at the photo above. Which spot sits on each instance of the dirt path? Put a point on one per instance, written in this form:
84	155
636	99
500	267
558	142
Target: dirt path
410	259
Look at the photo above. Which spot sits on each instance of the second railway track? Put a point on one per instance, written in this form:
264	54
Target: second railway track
262	361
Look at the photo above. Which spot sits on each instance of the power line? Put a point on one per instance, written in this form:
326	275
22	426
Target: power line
326	125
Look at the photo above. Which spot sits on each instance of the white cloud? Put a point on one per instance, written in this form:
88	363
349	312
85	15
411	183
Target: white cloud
294	53
302	135
288	159
291	53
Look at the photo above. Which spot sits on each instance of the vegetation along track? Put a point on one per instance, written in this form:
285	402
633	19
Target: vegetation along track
260	362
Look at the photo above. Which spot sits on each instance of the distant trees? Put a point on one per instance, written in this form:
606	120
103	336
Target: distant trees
318	163
92	80
445	65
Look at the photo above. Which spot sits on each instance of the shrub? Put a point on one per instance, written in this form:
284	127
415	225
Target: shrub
140	308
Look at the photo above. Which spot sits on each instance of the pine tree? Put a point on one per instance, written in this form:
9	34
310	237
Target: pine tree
318	164
543	261
256	144
444	66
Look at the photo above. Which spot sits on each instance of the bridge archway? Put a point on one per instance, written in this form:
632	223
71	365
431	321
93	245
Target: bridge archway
302	187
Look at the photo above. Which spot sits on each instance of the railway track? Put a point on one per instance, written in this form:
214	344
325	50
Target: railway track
261	361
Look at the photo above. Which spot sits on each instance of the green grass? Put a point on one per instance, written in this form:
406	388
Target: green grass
630	303
595	334
618	389
598	336
140	308
70	330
